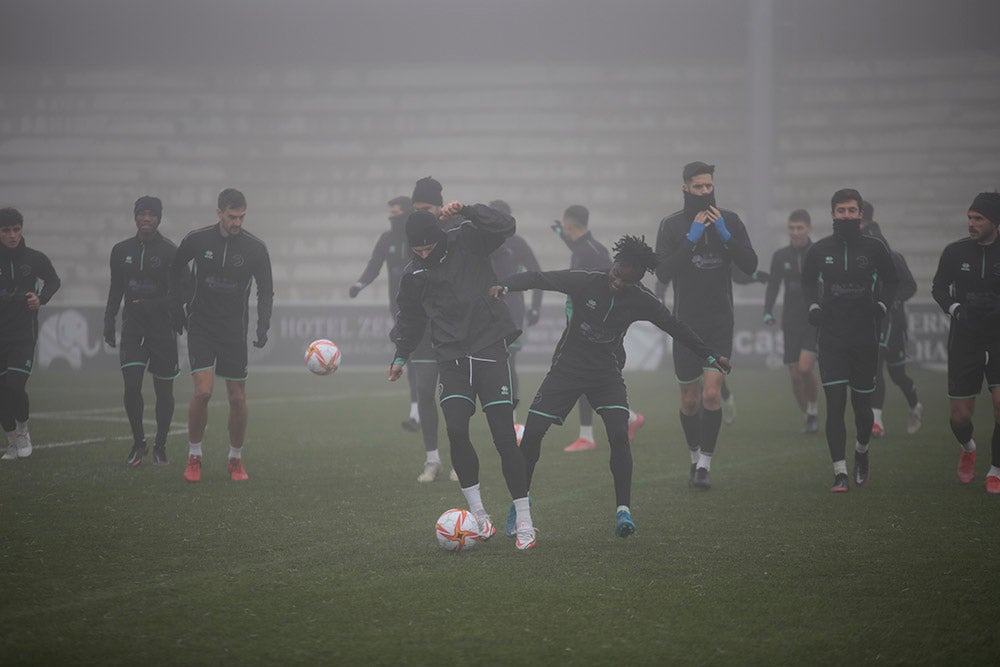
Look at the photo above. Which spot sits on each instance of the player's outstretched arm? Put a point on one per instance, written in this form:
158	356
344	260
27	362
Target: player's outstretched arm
487	227
265	298
380	254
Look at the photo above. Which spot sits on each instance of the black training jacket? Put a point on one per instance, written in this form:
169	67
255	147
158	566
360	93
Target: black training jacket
393	250
223	269
515	256
786	269
140	273
592	345
968	274
702	272
23	270
847	280
450	291
587	253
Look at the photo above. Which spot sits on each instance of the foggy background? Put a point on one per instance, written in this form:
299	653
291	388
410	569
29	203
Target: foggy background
322	111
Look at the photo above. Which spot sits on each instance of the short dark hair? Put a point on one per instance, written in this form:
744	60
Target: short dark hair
11	217
692	169
231	198
500	205
403	202
867	211
800	215
578	214
632	251
847	194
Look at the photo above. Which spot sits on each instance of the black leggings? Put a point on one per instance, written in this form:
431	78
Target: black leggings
134	404
897	373
13	399
425	379
836	410
457	413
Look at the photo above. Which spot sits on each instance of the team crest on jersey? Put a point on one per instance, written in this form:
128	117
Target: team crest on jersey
591	304
238	260
209	254
788	266
965	267
505	390
392	248
128	259
828	260
861	261
155	262
25	270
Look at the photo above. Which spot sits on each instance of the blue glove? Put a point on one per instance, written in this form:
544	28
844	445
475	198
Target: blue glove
696	231
768	318
720	228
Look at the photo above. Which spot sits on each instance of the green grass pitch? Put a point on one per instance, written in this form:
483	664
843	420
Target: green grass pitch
327	554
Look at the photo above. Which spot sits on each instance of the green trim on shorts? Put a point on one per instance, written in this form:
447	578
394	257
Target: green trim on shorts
611	407
711	368
422	361
863	391
134	363
830	384
205	368
242	379
19	370
959	398
992	386
503	402
457	396
161	377
547	415
680	381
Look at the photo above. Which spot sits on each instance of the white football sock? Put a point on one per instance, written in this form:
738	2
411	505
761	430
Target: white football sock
812	408
194	449
623	507
705	461
970	446
235	452
587	432
860	449
21	427
877	414
994	472
523	508
695	453
434	456
474	500
840	467
414	413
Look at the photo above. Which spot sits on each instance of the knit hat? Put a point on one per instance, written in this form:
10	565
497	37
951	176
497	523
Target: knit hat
422	229
147	203
428	191
987	203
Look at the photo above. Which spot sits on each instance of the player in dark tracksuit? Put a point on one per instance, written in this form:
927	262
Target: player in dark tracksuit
392	251
848	278
226	259
589	358
586	254
967	287
698	247
446	290
27	282
799	336
151	320
515	256
892	346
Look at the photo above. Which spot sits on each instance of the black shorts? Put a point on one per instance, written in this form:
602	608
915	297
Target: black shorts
152	348
17	356
560	391
798	339
894	342
968	362
227	354
848	362
485	374
688	366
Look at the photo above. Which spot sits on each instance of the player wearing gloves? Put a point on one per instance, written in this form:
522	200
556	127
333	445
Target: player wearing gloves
589	358
848	279
226	259
967	287
446	289
151	321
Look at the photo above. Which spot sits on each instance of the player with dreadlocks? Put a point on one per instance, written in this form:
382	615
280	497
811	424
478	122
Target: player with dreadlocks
589	358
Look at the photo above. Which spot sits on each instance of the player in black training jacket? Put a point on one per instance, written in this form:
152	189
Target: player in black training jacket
967	287
589	358
27	282
799	336
226	259
151	321
848	280
698	247
446	288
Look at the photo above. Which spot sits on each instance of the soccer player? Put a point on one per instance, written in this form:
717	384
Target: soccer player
391	250
226	259
515	256
589	358
27	282
698	246
798	334
967	287
151	321
446	289
892	348
848	278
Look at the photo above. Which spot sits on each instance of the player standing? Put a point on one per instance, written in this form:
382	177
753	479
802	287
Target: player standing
798	334
589	358
848	278
698	246
967	287
446	289
27	282
226	259
140	273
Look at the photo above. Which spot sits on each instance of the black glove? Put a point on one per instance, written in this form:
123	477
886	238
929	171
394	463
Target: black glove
109	334
762	276
531	317
261	338
816	316
355	290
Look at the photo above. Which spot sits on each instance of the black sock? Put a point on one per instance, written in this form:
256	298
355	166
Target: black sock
501	420
535	427
692	430
164	409
863	417
836	431
711	423
134	404
996	445
457	413
963	433
616	424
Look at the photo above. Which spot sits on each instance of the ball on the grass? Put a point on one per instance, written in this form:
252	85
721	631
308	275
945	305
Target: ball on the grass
322	356
457	530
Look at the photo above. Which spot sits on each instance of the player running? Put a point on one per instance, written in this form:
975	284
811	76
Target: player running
226	258
151	322
698	247
798	334
589	358
848	278
27	282
967	287
446	288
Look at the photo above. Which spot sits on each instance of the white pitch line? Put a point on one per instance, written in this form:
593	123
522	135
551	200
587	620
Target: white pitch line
90	441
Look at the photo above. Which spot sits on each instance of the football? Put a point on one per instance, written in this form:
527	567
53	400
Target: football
322	356
457	530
